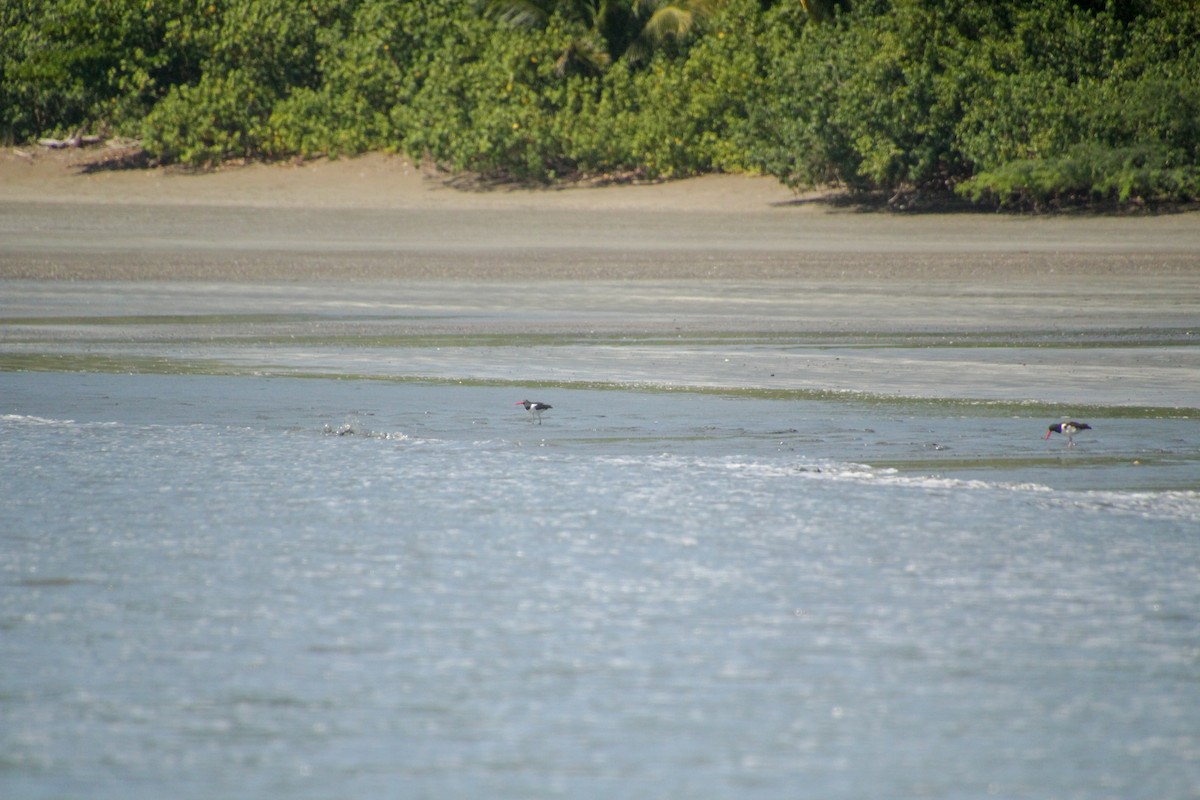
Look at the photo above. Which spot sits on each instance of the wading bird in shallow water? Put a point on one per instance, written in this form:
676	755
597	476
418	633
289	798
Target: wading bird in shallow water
534	409
1068	429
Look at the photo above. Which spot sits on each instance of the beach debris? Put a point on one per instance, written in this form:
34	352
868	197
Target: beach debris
76	139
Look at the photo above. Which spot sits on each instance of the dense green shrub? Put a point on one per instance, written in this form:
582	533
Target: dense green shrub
487	103
219	118
678	114
79	64
1087	111
1088	173
1027	104
362	66
799	134
915	97
870	99
255	54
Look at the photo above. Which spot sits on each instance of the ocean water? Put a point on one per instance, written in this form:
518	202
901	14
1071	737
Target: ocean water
266	587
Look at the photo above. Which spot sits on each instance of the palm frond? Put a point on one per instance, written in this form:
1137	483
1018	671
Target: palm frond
669	22
820	10
585	55
518	13
698	8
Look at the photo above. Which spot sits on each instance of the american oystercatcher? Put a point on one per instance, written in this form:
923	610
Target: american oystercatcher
535	409
1068	429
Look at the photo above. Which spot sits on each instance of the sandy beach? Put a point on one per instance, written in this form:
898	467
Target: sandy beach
391	218
1075	309
70	215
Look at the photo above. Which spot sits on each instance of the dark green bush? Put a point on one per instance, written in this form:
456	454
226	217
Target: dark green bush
1112	116
362	75
487	103
1087	174
78	64
222	117
682	114
1028	104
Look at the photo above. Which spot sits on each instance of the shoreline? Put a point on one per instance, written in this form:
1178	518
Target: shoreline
380	217
373	180
355	267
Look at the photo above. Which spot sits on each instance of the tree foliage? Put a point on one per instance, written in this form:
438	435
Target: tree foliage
1031	105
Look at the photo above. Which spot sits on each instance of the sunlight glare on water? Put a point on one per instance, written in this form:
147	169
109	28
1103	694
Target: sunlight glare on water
207	591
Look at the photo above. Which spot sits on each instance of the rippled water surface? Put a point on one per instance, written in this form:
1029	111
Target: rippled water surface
282	587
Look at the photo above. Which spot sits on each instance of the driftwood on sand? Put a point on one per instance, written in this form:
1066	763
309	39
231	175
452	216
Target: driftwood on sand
77	139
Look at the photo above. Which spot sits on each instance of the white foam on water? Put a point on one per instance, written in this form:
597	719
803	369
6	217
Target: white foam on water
26	419
1161	505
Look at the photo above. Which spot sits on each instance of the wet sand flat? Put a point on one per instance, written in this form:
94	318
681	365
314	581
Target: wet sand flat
369	266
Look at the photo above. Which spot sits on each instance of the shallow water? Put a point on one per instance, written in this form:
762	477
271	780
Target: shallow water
774	539
254	586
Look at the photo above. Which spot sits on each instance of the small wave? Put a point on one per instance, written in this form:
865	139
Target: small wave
865	473
23	419
350	429
1162	505
893	477
353	430
31	421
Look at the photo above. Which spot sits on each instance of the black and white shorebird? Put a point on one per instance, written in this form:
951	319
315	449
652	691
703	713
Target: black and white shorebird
535	409
1068	429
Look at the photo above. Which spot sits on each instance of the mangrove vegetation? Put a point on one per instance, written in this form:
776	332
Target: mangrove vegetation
1031	105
